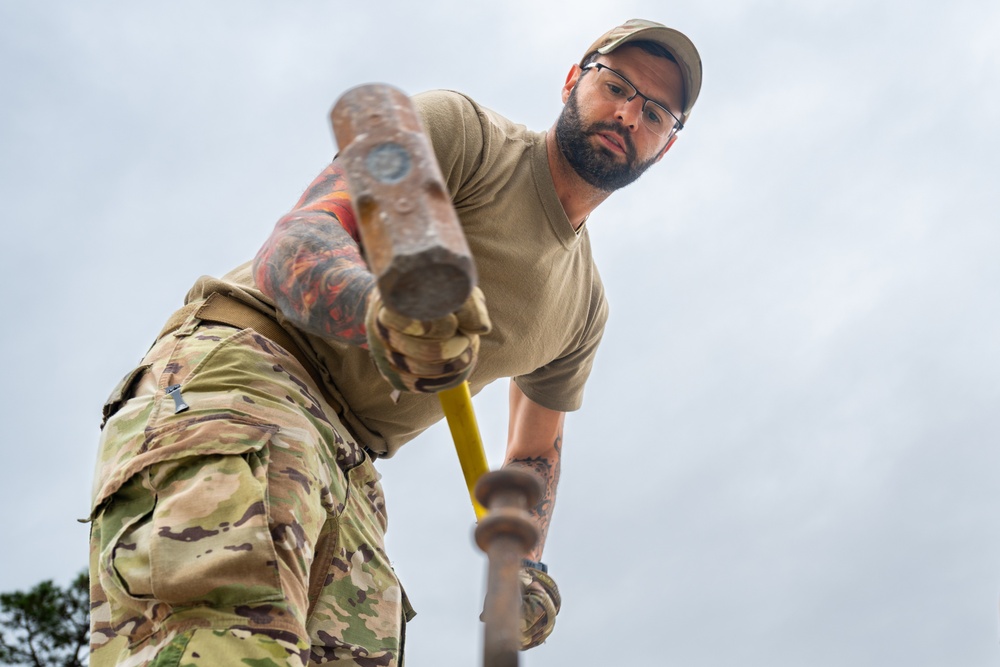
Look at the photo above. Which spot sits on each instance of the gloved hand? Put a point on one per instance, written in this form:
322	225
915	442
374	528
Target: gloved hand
426	355
540	602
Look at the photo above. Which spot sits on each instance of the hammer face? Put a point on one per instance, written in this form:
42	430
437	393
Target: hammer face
412	239
388	163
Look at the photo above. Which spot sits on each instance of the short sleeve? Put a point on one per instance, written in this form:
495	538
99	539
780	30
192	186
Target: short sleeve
451	122
559	384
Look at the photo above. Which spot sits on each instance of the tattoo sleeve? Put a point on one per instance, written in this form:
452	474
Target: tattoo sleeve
312	267
546	468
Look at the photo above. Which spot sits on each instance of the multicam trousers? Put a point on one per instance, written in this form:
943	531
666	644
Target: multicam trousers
235	520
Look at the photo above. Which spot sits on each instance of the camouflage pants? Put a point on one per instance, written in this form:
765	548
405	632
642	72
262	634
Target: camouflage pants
245	528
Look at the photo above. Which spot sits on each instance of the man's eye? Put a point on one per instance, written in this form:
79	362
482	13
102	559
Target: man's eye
616	90
654	116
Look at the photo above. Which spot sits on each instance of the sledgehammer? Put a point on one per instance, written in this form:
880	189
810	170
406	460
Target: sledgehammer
411	236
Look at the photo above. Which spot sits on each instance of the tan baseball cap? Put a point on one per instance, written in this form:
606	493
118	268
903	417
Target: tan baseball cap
676	42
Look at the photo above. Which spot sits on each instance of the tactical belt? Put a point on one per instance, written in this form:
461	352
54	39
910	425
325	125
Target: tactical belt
222	309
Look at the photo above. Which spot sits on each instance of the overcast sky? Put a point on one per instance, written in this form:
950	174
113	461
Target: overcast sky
788	453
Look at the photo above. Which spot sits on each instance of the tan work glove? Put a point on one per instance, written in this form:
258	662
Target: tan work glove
540	602
426	355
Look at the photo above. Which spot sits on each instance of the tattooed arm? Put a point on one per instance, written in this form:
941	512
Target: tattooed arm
534	443
312	267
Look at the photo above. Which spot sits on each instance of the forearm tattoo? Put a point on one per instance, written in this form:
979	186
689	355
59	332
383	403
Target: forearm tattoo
312	266
546	468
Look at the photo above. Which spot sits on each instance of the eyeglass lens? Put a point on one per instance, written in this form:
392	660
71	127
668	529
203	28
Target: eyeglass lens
614	87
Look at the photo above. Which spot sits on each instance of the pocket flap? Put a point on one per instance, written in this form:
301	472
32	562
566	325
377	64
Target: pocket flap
121	392
218	433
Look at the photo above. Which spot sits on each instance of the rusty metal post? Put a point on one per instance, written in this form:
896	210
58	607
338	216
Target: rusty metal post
507	535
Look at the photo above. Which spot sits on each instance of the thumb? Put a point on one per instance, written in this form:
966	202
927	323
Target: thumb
473	318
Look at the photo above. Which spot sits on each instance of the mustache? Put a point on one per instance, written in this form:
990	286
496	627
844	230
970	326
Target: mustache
615	128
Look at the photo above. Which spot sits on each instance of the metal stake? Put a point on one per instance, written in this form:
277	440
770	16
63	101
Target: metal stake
507	535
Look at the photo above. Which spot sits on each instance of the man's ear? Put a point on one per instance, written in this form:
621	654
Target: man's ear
571	79
666	148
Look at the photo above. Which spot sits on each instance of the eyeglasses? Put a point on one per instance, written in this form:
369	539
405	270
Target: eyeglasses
615	87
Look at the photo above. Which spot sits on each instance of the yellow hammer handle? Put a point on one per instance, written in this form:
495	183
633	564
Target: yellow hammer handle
457	405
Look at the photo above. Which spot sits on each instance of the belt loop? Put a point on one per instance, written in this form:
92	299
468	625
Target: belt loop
177	321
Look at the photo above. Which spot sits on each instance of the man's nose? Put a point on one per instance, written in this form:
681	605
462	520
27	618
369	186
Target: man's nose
629	112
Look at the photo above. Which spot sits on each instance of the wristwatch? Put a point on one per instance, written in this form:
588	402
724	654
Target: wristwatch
538	565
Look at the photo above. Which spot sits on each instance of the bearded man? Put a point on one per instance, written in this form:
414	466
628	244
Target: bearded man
237	513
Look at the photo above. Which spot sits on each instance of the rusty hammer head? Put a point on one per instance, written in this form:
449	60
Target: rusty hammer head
411	236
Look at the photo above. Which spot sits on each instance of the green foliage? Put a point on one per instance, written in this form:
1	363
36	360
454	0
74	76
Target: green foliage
47	626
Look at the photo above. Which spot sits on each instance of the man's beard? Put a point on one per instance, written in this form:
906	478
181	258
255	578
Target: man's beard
597	166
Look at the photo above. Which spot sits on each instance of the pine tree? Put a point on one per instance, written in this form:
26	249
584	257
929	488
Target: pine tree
47	626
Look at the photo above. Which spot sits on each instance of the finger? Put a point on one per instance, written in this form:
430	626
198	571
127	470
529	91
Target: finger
378	351
548	584
437	367
538	618
427	384
422	349
439	329
473	318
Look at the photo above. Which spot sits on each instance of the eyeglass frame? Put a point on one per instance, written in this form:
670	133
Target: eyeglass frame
678	125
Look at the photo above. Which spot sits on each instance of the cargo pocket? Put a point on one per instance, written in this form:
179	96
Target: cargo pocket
209	540
187	524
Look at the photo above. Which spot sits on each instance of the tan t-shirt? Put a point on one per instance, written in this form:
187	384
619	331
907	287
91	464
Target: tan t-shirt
544	295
